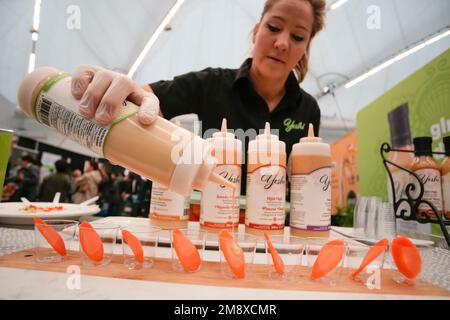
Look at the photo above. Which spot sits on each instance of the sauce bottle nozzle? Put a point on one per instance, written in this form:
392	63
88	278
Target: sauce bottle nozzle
311	131
267	129
223	129
311	137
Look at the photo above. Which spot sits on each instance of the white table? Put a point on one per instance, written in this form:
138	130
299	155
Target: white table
31	284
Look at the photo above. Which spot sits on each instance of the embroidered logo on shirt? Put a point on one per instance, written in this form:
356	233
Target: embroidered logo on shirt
290	125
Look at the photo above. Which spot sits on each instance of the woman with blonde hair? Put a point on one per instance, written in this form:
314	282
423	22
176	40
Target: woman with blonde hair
264	89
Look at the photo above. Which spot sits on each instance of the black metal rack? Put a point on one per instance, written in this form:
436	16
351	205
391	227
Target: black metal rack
406	208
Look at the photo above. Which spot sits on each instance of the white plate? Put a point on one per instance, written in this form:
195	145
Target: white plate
352	233
12	213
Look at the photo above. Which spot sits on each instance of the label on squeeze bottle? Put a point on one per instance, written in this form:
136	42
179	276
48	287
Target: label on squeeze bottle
67	120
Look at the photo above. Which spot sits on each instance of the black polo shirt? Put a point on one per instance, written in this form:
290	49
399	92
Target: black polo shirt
217	93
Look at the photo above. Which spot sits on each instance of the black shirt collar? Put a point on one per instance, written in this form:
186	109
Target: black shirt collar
243	74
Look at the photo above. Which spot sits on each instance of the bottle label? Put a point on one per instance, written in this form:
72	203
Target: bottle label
66	118
311	200
167	205
220	205
431	179
446	192
266	193
401	180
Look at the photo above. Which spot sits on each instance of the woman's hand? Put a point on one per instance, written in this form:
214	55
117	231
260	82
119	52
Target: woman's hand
101	93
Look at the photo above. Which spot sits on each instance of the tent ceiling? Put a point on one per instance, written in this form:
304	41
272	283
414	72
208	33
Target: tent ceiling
203	33
348	47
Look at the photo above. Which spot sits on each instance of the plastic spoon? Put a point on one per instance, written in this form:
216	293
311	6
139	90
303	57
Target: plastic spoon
377	249
233	253
406	257
91	242
56	198
89	201
134	244
329	257
25	200
52	237
186	251
277	261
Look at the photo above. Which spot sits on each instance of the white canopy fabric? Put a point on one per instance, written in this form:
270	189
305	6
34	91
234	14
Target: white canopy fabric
214	33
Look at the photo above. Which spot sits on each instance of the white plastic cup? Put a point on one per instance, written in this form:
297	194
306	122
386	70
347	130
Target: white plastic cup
148	238
43	250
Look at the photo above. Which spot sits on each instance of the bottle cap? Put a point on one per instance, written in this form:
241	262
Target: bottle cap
422	146
27	93
446	141
310	137
311	145
223	133
226	144
267	142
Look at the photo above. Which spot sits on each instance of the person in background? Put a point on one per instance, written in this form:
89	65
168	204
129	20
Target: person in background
26	180
129	192
102	190
8	168
88	183
111	193
105	181
75	175
56	182
10	193
144	194
43	171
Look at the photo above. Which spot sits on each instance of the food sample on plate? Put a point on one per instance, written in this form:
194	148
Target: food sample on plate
33	208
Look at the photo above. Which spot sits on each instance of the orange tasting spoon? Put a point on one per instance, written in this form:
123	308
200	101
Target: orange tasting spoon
329	257
91	242
52	237
134	244
377	249
406	257
186	251
277	261
233	253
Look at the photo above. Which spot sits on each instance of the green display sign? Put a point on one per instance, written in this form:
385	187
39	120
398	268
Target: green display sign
426	93
417	106
5	147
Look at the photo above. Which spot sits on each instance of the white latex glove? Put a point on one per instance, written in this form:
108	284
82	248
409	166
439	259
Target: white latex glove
102	93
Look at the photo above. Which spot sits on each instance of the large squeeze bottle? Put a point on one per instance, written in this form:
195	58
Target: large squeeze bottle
219	204
311	187
266	185
161	152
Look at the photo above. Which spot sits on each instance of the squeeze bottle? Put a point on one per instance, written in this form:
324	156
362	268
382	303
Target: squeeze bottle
445	171
168	210
310	187
429	171
161	152
266	184
220	205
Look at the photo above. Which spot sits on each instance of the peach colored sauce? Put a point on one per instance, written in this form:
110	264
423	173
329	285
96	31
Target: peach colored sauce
222	159
420	163
302	164
167	221
400	177
445	172
251	167
141	156
144	158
